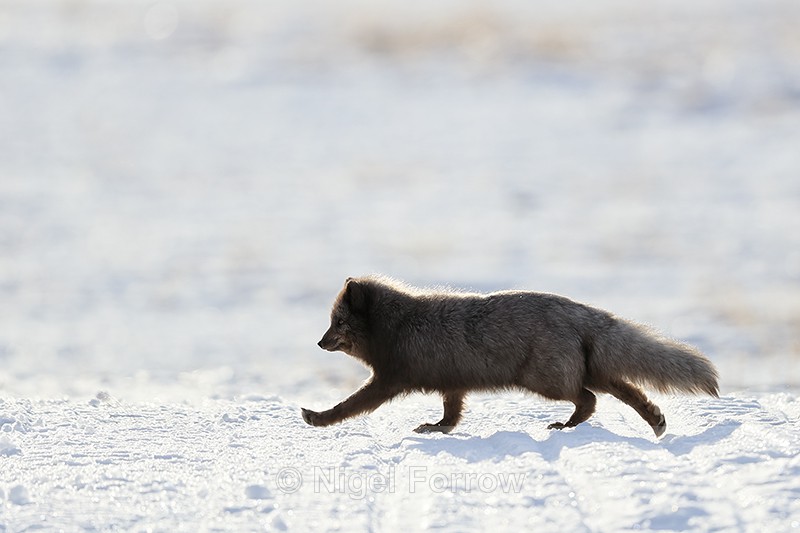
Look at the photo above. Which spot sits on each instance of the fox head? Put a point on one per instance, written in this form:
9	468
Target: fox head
348	329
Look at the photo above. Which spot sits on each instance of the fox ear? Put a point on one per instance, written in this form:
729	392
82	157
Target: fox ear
356	295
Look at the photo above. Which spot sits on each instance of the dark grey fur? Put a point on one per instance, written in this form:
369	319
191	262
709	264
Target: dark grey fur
453	343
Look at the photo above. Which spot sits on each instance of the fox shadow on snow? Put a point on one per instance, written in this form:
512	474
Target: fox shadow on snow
504	444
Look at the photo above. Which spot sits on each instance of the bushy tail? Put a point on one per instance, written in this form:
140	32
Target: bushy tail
639	355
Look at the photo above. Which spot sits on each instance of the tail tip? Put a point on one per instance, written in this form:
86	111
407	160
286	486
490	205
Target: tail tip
712	389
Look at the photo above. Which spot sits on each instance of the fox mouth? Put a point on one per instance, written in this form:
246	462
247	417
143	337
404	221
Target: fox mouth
332	346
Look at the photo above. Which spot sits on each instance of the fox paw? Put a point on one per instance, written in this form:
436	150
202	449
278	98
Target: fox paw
661	426
557	425
312	418
433	428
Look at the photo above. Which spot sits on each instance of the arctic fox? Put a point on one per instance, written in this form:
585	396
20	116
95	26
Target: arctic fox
453	343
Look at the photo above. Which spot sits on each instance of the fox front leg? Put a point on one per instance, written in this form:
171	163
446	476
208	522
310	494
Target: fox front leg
364	400
453	405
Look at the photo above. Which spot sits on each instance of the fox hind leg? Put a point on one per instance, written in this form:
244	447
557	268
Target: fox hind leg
453	406
634	397
584	407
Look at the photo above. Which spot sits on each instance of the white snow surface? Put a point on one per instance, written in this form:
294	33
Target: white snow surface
728	464
184	186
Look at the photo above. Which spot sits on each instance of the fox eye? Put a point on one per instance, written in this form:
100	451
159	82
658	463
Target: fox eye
340	322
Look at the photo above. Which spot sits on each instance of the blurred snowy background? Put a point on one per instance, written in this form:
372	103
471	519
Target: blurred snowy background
184	185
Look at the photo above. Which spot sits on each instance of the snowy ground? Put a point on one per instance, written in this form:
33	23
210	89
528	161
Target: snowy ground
185	185
724	465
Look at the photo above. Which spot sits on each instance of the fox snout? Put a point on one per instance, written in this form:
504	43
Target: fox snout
330	341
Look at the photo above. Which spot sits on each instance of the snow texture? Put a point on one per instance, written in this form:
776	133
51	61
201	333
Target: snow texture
185	185
728	464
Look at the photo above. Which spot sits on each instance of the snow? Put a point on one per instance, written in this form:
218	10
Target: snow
725	464
184	186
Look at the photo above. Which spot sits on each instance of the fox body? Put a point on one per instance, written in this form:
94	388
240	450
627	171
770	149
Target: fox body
453	343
